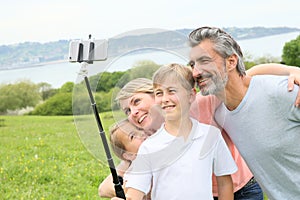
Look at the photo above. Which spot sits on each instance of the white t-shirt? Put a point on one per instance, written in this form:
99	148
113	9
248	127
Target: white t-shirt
178	168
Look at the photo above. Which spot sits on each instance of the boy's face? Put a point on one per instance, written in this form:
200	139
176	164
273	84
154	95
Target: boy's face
174	99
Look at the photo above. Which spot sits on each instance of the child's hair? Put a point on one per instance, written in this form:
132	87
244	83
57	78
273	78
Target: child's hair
143	85
176	72
116	144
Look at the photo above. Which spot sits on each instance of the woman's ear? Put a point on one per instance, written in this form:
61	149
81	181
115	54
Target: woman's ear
193	95
129	156
231	62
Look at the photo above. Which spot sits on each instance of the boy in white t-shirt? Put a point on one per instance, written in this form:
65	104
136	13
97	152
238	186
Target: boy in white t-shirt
179	159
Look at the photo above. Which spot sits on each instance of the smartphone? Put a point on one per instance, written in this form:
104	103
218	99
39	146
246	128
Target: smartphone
88	50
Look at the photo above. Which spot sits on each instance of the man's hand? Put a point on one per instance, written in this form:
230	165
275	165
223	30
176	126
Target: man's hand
294	79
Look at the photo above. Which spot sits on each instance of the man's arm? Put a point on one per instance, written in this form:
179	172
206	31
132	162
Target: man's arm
274	69
225	187
279	69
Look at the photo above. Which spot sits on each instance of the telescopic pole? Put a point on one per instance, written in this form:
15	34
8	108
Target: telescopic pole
118	187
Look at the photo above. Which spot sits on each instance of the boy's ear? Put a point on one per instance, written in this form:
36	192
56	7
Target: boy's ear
231	62
128	156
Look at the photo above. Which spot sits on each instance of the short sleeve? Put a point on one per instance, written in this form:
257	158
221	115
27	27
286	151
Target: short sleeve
139	174
223	161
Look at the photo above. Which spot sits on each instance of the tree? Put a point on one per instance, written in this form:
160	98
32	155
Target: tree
107	80
67	87
291	52
81	103
59	104
143	69
46	90
19	95
104	101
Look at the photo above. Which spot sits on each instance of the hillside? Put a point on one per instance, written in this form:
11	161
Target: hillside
33	53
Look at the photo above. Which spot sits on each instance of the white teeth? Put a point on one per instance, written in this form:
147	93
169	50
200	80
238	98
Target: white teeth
170	106
202	80
142	118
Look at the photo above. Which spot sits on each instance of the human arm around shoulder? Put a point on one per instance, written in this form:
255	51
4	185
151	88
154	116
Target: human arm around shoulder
225	187
274	69
279	69
106	188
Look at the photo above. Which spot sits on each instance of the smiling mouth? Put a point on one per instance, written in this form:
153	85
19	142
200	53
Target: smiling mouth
142	119
168	107
203	80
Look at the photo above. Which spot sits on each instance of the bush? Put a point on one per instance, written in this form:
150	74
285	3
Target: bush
59	104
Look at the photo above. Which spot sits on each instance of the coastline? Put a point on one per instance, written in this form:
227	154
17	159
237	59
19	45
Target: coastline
40	64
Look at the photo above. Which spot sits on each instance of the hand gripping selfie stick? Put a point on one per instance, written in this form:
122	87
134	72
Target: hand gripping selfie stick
92	55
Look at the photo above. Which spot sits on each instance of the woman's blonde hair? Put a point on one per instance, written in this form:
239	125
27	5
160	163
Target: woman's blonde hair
142	85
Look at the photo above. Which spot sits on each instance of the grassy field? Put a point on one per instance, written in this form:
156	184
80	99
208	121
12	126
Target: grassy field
44	158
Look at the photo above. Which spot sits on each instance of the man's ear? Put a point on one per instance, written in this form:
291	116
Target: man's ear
231	62
129	156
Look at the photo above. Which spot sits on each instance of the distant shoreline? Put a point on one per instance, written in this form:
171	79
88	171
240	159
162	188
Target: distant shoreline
49	63
35	65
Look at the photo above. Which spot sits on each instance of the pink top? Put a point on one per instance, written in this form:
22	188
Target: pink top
202	110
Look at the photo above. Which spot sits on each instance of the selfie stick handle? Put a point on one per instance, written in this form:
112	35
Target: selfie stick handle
118	187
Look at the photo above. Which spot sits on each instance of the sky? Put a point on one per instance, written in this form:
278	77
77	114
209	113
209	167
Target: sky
52	20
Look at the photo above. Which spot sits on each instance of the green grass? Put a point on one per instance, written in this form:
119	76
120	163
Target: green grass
44	158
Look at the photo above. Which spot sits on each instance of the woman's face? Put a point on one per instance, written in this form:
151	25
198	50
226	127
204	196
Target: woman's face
142	111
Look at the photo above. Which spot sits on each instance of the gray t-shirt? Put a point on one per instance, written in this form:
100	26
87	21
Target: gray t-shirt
265	127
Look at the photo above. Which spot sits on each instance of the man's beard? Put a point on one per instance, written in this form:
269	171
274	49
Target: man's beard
215	85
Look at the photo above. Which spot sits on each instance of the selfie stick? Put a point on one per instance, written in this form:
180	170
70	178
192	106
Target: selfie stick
118	187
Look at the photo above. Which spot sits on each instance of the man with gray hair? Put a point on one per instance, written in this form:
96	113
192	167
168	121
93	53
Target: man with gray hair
257	112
